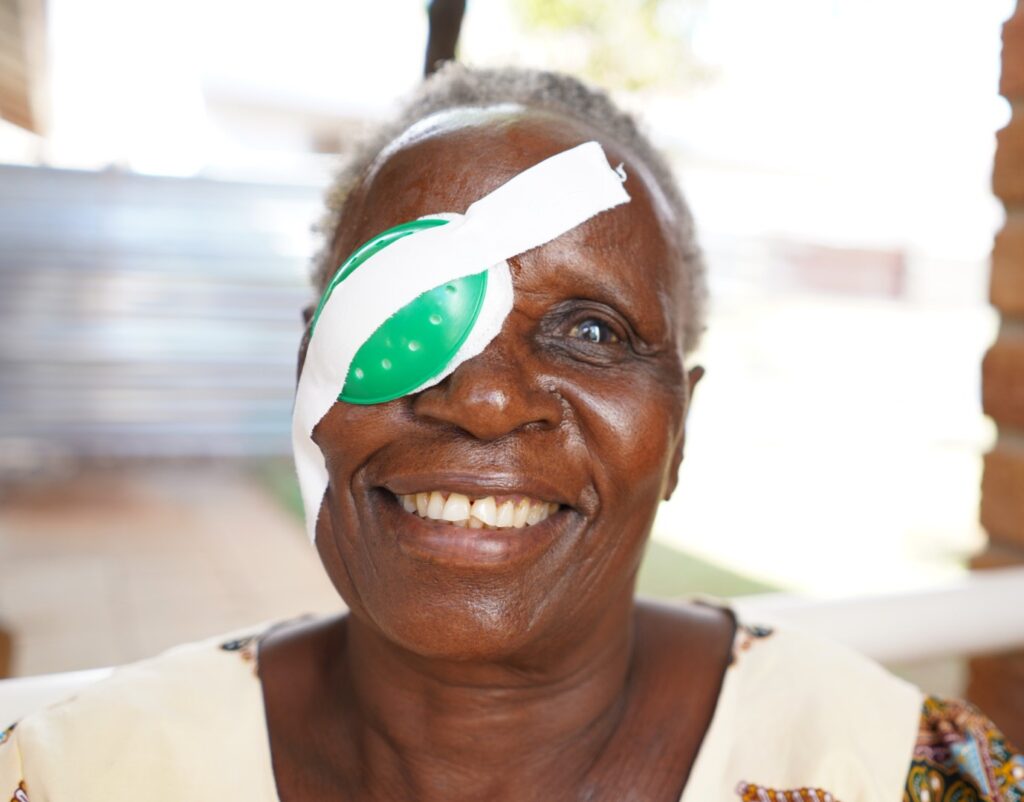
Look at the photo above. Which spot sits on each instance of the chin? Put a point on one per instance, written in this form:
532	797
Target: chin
466	624
445	593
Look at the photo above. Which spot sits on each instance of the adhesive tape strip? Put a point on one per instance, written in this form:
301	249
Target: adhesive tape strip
532	208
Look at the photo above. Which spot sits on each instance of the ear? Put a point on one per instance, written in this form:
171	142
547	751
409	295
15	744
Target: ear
307	317
693	377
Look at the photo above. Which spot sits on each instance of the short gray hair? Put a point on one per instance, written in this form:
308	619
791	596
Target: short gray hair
457	86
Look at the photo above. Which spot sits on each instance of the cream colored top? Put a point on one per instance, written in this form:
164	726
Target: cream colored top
794	713
797	713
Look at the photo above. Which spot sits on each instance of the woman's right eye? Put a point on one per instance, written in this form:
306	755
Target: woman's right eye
595	331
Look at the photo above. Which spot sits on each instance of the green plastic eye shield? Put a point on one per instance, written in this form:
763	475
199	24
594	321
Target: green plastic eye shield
419	340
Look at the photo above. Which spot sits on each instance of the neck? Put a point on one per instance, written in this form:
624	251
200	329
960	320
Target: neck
460	729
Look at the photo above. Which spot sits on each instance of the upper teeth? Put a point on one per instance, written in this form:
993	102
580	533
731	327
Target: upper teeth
488	512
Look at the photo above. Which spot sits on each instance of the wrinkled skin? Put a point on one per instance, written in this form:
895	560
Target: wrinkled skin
486	664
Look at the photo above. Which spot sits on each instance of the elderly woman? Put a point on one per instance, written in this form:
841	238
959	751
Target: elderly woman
480	496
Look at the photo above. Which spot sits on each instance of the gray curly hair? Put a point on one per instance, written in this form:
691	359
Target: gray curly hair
456	86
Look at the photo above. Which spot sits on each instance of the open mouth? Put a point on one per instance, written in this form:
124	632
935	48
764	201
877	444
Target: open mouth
474	522
488	512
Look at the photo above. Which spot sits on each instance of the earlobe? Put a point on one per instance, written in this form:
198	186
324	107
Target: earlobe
677	461
693	377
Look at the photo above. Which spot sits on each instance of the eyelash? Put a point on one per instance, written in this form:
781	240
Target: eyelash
564	331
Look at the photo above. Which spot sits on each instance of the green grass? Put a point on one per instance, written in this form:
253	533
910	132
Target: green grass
667	572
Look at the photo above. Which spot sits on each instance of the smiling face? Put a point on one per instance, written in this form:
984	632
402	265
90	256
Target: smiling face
571	419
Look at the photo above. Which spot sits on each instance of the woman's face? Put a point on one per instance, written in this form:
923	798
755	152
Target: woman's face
579	402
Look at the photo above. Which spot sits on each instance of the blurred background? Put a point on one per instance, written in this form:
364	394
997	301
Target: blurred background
162	167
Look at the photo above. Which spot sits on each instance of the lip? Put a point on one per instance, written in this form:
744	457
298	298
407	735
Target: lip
477	486
442	543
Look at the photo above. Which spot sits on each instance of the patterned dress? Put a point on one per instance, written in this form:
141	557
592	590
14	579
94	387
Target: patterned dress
960	756
798	720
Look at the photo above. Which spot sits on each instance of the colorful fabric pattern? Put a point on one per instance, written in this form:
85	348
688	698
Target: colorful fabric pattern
961	756
758	793
746	636
246	649
12	784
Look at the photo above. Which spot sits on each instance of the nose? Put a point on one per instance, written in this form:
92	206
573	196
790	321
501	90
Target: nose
489	396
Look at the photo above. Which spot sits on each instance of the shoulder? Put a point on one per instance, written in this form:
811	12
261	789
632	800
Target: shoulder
827	692
174	726
800	714
767	658
679	628
819	673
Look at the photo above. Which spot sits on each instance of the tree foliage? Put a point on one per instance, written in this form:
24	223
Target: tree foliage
620	44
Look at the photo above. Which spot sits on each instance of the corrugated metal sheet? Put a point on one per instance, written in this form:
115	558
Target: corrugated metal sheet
148	316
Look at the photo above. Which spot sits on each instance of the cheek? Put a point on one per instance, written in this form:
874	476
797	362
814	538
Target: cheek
360	570
330	551
630	425
348	436
349	433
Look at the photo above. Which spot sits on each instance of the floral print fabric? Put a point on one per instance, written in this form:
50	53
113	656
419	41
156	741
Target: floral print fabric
961	756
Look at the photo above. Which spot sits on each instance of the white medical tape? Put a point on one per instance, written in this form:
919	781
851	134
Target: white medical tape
532	208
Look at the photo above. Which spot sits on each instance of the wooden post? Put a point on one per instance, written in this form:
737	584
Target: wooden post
6	654
445	23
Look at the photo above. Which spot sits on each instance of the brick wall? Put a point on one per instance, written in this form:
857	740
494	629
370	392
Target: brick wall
997	683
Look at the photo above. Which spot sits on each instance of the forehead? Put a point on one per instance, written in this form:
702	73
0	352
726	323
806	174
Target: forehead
450	160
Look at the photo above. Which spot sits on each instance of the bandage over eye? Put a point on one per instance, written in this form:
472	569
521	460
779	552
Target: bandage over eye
425	340
415	302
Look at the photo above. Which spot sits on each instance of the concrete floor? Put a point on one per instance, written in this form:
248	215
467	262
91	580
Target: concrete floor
113	565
